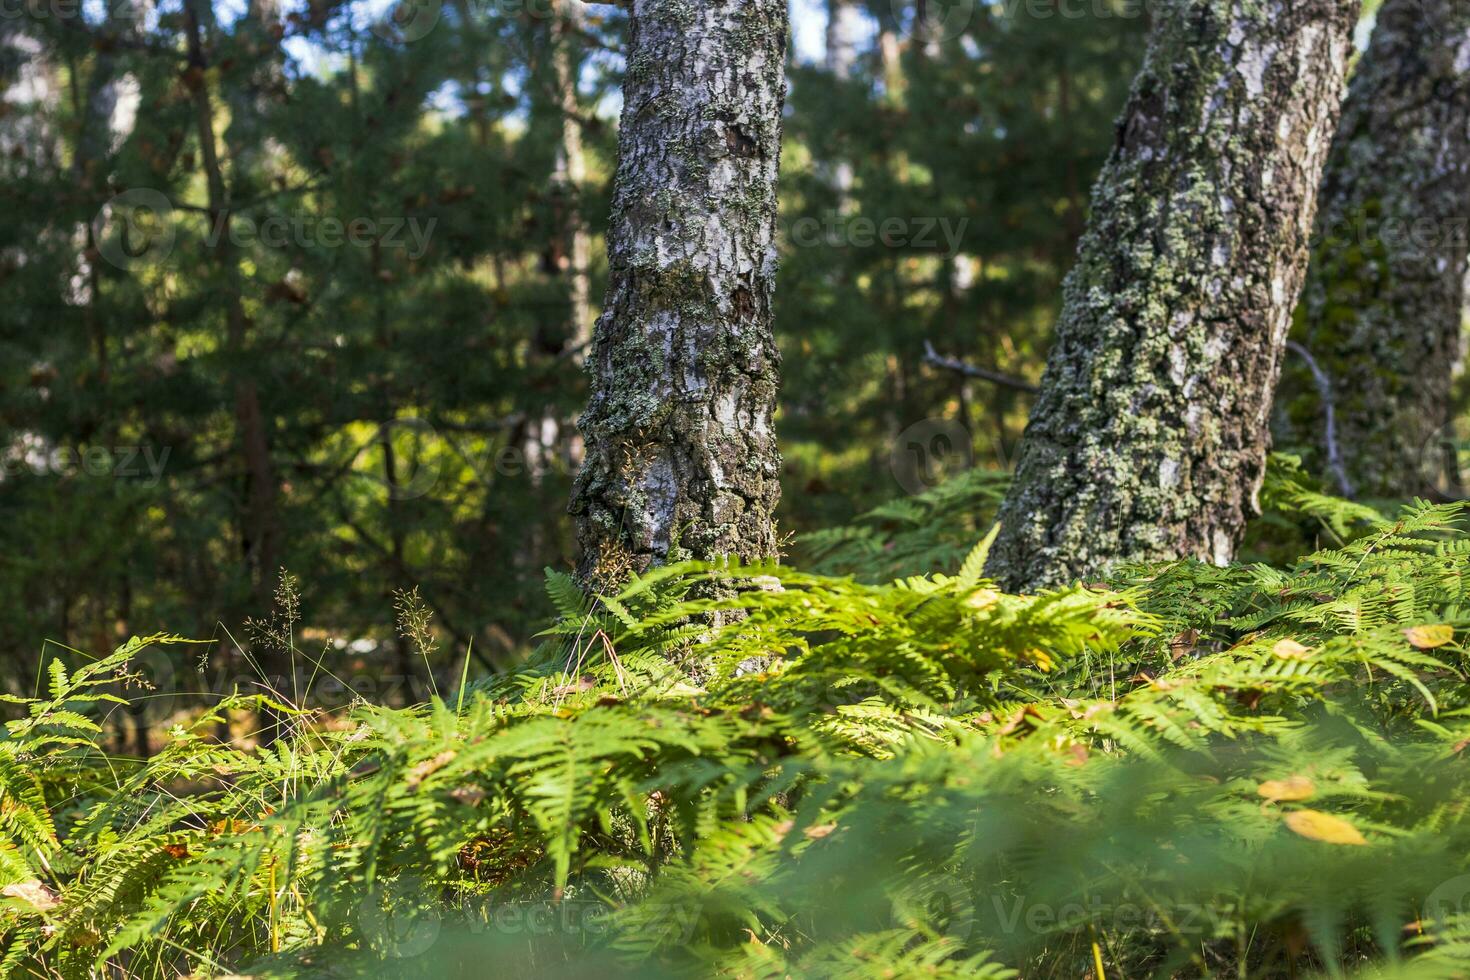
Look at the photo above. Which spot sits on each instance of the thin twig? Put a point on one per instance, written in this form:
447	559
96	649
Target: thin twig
1324	390
971	371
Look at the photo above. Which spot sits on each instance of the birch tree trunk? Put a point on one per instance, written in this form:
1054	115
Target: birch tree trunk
681	458
844	24
1148	439
1385	293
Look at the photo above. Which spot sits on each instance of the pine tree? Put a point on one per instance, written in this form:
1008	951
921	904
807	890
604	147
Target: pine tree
1149	437
1381	311
681	449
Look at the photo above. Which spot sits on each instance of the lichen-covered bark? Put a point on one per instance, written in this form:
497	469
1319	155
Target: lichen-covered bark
1382	306
681	457
1149	436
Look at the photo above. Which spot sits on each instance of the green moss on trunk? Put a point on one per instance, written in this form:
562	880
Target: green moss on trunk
1383	303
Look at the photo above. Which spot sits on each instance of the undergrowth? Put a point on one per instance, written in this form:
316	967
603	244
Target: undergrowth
1181	771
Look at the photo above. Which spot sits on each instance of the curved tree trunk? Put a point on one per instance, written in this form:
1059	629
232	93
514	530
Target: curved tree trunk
1148	440
1382	306
681	457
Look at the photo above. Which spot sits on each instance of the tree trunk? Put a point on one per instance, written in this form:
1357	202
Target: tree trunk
571	175
681	457
1149	437
260	529
844	26
844	30
1385	293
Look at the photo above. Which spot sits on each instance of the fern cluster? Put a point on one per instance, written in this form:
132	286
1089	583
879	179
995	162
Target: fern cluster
1184	771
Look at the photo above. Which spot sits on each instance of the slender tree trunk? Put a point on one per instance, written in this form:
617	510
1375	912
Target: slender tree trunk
1149	437
31	87
1385	293
843	26
571	175
681	455
260	538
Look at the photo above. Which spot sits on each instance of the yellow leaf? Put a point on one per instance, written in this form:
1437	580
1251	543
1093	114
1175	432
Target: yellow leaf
982	599
1429	637
1291	788
1041	659
1291	650
1316	825
35	893
817	833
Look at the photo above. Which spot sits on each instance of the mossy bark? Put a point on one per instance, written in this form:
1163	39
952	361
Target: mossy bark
1382	307
681	458
1149	437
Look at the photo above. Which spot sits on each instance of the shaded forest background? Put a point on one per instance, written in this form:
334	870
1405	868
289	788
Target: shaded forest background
347	342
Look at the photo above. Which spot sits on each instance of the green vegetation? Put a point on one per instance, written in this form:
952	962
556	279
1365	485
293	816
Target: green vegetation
1182	771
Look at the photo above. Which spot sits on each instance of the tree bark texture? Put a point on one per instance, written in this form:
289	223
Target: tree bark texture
681	457
1149	437
1384	298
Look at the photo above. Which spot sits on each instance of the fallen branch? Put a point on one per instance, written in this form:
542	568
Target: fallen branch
971	371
